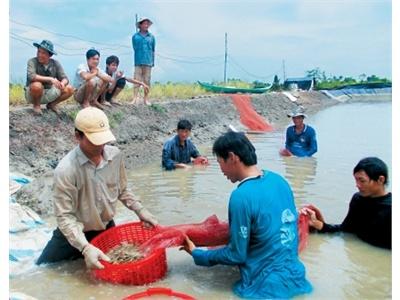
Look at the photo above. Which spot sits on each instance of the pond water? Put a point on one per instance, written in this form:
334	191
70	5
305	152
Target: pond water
339	266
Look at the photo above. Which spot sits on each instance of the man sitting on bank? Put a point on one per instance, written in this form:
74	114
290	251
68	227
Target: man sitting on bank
179	150
370	210
300	138
118	82
88	181
263	237
90	81
46	81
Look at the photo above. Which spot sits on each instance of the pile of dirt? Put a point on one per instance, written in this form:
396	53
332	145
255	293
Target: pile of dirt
37	144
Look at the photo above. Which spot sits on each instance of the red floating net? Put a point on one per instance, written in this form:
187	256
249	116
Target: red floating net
210	233
248	116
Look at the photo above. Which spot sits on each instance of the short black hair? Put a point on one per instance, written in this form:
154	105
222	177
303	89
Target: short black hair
373	167
92	52
239	144
184	124
112	59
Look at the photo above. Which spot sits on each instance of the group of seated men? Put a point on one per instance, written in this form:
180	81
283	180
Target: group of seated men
48	84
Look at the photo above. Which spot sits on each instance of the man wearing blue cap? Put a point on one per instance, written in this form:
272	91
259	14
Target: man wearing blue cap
46	81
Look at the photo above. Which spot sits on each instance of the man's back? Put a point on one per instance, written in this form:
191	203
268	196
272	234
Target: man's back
266	203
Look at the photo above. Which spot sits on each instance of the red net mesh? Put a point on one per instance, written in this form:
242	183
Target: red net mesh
210	233
248	116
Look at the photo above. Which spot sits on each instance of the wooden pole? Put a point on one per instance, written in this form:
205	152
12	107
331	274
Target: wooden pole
226	55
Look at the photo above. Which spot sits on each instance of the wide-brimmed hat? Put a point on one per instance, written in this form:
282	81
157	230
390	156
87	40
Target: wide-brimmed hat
46	45
93	122
141	20
299	111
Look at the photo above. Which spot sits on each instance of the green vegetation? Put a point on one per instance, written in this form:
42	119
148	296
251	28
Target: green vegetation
159	91
336	82
171	90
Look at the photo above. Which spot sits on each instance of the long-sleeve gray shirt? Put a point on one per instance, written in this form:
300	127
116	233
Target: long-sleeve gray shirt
85	196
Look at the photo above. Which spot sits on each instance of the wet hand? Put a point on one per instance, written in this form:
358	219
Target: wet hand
314	221
92	256
147	217
188	246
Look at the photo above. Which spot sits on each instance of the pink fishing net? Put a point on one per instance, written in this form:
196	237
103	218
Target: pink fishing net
209	233
248	116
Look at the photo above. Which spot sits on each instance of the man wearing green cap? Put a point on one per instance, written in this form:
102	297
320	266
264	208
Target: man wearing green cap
88	181
46	81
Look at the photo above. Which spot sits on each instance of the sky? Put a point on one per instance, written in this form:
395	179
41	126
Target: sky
345	38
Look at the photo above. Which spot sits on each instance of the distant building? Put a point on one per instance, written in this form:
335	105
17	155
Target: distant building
299	83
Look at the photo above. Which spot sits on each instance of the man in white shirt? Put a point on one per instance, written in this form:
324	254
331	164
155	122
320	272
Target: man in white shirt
90	81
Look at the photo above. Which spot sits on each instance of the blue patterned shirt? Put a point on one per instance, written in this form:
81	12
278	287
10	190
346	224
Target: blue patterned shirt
263	240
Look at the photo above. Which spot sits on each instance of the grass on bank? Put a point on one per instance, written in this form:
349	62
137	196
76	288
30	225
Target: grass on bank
157	92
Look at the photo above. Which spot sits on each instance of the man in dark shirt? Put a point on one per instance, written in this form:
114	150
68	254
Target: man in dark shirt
179	150
46	81
370	210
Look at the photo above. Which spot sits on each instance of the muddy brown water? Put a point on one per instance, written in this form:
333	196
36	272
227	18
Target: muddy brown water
339	266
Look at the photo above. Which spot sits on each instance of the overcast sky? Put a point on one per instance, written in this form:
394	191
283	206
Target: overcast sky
340	37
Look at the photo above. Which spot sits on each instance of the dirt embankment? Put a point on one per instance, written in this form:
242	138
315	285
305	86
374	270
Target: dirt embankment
38	143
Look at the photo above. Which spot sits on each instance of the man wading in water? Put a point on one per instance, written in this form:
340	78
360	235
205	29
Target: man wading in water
88	181
263	238
300	138
370	210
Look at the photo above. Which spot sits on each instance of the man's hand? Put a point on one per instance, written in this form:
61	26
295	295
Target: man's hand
95	71
316	219
200	160
92	256
57	83
145	88
189	246
119	74
145	216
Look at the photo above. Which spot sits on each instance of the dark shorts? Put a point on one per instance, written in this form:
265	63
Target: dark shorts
120	84
58	248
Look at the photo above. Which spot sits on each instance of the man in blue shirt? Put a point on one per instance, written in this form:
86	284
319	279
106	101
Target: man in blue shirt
300	138
144	44
262	226
179	150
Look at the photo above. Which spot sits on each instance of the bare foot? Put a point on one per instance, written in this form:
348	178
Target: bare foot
37	110
147	103
98	105
106	103
115	102
53	108
134	101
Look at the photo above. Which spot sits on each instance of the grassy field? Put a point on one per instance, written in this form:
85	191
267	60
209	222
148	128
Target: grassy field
159	91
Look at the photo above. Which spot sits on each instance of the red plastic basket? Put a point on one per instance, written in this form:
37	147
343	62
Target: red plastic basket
149	269
158	291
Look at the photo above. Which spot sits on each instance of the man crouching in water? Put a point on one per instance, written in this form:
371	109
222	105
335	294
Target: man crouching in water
262	227
88	181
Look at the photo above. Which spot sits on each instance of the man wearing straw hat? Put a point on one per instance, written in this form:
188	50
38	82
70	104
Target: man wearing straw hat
300	138
143	43
46	81
88	181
